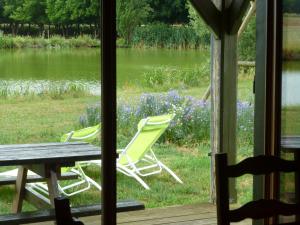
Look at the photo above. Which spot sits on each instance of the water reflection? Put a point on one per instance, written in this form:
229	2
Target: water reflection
291	83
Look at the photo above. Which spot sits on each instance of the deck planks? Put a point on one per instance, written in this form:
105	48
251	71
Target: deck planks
198	214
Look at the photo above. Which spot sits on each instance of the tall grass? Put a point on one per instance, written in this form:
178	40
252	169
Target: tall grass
166	36
10	42
45	88
165	78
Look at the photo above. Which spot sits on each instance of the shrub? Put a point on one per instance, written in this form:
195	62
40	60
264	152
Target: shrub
53	42
190	126
6	42
164	78
84	41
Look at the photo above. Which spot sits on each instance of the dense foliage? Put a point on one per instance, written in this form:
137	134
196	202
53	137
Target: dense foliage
247	42
130	14
291	6
165	36
60	13
66	15
190	126
168	11
198	25
142	23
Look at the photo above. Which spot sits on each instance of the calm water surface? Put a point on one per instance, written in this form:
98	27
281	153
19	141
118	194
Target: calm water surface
36	65
83	64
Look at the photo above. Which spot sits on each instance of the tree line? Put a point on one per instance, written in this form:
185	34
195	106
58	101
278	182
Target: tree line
74	17
291	6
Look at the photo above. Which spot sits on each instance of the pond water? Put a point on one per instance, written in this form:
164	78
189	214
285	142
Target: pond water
39	68
83	64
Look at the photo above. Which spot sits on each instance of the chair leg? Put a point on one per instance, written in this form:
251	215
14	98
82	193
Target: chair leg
90	180
170	172
134	175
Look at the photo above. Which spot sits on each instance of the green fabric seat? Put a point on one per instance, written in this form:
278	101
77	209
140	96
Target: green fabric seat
137	159
86	134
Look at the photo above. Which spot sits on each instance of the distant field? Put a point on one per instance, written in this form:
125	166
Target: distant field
291	37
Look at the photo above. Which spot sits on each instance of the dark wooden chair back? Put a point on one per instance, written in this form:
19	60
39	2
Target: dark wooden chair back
260	165
63	212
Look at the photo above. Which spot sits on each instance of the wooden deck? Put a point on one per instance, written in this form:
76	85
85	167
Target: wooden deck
200	214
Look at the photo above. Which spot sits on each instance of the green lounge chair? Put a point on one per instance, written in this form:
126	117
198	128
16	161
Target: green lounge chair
137	159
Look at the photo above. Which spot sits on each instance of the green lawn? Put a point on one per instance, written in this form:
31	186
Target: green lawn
36	119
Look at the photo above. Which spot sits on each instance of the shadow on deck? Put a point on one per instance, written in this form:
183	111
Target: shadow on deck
198	214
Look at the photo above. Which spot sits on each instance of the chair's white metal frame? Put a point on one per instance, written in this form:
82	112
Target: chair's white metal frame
85	183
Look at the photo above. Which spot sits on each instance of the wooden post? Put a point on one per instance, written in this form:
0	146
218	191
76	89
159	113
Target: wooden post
223	77
20	189
52	186
247	18
260	96
223	101
241	29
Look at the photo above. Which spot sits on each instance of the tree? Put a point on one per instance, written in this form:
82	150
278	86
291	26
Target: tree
130	14
198	25
169	11
57	12
2	19
9	8
84	11
31	11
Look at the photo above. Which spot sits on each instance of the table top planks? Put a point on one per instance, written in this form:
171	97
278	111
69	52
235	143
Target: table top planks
47	153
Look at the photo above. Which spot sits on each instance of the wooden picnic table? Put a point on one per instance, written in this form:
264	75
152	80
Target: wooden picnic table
46	160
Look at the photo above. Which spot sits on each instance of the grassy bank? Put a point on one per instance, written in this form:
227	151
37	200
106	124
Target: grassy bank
10	42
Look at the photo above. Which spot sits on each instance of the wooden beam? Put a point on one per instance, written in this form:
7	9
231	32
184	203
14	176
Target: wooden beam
236	14
108	112
250	13
210	14
260	96
20	189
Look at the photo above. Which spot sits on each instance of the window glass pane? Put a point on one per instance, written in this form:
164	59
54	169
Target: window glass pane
290	93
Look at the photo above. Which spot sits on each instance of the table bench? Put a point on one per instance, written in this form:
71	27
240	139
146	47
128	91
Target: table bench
49	215
46	160
36	178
